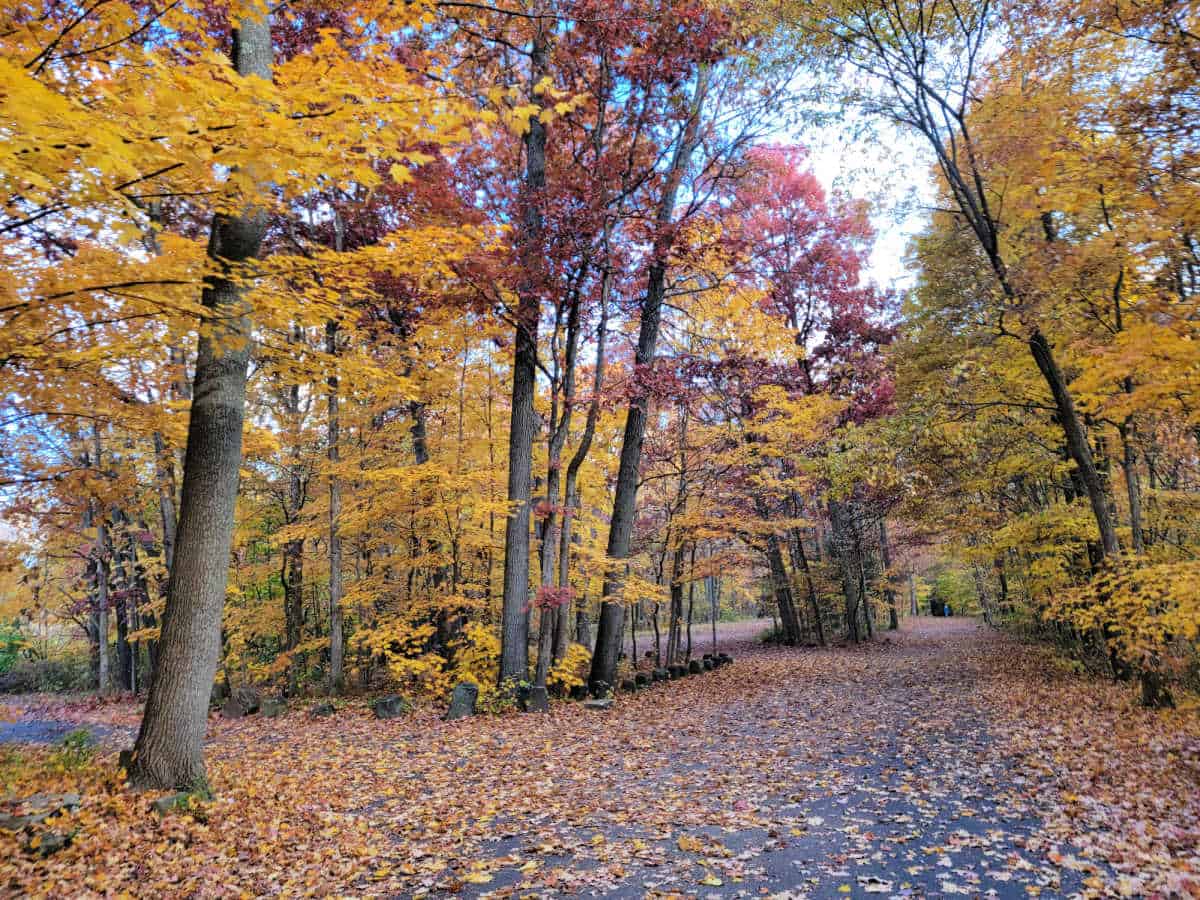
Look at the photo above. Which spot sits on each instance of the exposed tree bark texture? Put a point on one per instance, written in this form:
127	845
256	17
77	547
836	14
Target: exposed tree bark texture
514	628
783	592
333	452
169	749
620	533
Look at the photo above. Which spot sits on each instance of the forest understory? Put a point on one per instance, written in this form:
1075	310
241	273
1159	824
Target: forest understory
943	759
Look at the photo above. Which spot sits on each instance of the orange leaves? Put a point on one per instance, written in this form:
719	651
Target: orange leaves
673	791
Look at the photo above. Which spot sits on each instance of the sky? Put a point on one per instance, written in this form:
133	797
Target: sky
890	169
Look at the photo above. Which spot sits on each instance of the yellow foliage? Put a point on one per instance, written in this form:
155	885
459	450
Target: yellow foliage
1148	610
477	658
570	671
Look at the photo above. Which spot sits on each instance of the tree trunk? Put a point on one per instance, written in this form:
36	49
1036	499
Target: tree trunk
620	531
889	593
169	750
691	603
1077	442
810	585
1132	488
514	628
336	640
783	592
714	605
103	675
842	549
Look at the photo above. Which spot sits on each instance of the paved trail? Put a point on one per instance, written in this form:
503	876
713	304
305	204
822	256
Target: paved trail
822	773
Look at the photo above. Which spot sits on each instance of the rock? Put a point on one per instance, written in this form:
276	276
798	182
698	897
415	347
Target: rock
538	700
231	709
48	842
642	679
392	706
242	702
272	707
676	671
38	808
322	709
708	664
462	701
629	685
599	703
660	675
600	689
579	692
695	667
164	805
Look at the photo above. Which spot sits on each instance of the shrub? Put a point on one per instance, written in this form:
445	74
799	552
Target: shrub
61	675
75	751
11	644
572	669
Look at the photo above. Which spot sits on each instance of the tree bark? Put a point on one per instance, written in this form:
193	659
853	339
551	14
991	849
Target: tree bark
620	532
842	548
1077	442
1132	489
783	592
169	749
514	628
889	592
103	673
336	640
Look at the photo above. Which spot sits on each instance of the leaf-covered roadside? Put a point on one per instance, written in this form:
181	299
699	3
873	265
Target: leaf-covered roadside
949	760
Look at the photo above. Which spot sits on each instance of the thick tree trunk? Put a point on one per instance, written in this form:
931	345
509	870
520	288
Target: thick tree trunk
620	532
169	749
783	592
514	627
336	640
